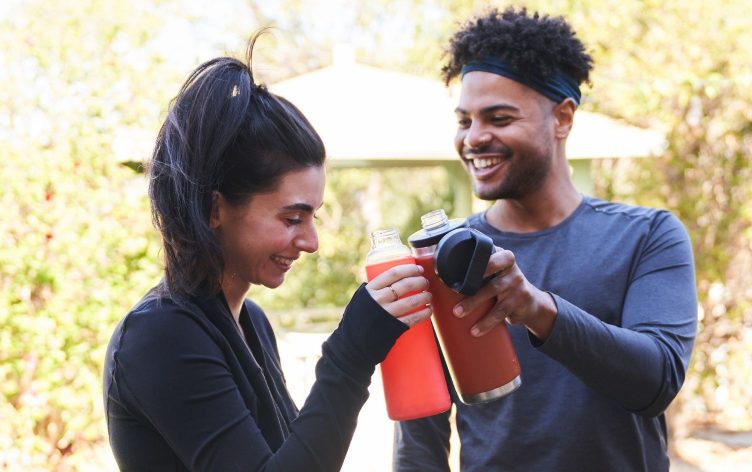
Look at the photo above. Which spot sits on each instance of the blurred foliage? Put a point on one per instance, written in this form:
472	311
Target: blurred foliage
86	83
77	248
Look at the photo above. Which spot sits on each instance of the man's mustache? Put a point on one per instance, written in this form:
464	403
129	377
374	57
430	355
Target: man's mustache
470	153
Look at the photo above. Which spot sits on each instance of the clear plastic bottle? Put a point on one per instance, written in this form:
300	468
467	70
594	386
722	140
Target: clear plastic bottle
412	376
483	368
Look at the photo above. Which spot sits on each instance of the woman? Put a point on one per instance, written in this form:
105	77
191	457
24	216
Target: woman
192	376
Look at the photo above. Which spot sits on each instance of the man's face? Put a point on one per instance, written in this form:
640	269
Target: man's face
505	136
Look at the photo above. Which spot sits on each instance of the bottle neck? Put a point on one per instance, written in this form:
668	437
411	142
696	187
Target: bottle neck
386	245
434	220
382	238
435	225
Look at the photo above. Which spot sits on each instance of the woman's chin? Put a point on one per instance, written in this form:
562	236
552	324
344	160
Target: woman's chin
273	283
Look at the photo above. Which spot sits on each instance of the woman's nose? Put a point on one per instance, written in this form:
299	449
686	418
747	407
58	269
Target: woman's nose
308	241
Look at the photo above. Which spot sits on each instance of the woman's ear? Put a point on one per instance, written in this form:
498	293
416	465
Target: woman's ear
564	116
215	217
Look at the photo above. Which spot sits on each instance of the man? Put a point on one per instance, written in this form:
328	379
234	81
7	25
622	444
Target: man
600	296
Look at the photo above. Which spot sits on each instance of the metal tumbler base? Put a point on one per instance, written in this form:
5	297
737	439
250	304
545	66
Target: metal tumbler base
490	395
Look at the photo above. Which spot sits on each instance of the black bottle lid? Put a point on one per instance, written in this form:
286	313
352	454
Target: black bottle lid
461	259
429	237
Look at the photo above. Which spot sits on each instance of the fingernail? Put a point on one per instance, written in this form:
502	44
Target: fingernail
475	332
420	269
458	311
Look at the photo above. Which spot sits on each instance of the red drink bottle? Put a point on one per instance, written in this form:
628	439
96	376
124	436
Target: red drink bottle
413	379
482	368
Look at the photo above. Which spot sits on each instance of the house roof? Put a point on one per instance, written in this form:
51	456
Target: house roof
370	116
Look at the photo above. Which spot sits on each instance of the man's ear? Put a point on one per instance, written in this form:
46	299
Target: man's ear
564	117
215	217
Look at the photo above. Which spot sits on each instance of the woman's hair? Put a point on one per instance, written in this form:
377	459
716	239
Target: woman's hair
223	133
533	45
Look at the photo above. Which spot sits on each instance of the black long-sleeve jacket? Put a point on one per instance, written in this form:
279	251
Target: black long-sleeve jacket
184	391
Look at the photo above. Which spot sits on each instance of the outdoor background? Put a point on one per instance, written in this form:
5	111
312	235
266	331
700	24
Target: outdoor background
84	85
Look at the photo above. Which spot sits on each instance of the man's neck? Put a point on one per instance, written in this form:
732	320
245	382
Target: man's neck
536	212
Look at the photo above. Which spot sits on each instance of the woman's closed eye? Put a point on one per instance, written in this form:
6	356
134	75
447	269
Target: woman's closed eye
299	219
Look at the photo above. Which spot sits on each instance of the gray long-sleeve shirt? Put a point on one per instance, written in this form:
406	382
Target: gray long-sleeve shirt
593	395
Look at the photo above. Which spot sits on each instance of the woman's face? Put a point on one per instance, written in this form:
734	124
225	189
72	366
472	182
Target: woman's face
262	238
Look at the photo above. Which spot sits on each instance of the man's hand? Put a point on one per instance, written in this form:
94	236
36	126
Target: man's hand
517	300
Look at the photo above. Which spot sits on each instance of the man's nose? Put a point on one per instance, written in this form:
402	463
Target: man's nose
476	136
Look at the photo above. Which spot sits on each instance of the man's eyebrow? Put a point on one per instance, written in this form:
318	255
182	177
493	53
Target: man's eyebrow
490	109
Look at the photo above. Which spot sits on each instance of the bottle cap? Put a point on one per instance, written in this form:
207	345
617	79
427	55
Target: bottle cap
428	237
461	259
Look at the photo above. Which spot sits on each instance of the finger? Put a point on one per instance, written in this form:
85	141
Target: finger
398	290
500	262
490	290
386	295
488	322
394	274
404	306
498	286
410	285
414	318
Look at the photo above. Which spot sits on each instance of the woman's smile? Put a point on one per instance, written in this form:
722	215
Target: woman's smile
284	263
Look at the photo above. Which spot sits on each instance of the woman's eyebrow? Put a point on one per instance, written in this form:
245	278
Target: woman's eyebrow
300	207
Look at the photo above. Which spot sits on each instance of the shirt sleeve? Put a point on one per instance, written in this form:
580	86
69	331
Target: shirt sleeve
642	363
422	445
175	376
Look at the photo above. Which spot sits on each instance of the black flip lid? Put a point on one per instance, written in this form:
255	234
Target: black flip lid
461	259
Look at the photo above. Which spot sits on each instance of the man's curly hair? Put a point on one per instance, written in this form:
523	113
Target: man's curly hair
535	45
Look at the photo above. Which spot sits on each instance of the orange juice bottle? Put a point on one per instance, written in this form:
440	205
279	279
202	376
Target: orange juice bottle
412	376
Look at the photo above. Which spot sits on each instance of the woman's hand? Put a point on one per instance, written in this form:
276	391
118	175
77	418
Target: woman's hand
403	292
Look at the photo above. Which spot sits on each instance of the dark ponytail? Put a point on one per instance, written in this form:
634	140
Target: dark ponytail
224	133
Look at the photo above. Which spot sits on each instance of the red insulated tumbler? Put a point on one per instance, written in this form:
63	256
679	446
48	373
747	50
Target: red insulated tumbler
483	368
413	379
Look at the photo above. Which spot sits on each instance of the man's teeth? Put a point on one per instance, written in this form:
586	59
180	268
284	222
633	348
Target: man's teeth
482	163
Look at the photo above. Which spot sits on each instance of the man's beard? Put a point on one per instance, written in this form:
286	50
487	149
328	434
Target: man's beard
526	173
